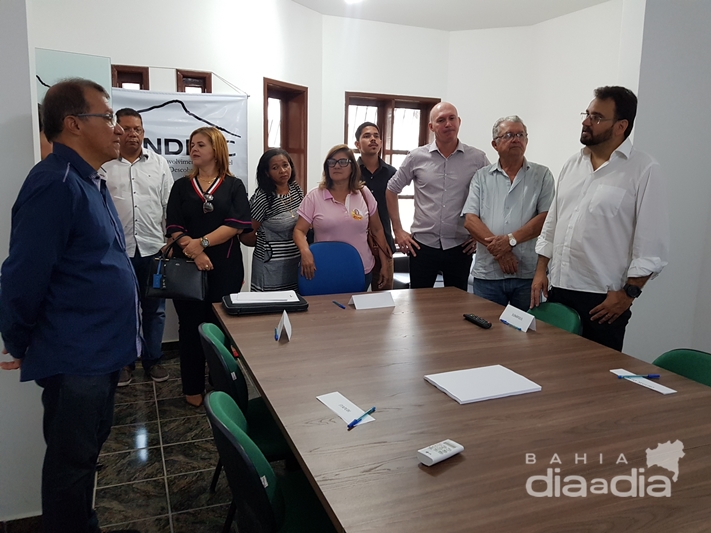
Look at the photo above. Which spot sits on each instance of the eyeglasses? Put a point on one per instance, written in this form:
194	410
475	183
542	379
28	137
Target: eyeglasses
108	117
137	131
207	207
508	136
595	118
340	162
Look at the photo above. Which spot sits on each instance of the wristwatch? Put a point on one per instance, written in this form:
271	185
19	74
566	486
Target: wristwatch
632	290
512	240
204	242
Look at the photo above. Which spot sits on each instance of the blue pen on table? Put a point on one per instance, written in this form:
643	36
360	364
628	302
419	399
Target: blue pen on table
648	376
360	418
276	334
339	305
509	324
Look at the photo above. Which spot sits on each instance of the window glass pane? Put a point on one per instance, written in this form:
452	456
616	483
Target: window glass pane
406	128
407	212
193	90
357	114
397	160
274	122
128	85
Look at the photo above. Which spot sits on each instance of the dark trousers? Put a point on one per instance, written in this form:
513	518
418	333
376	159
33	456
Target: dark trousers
152	313
453	263
610	335
78	413
192	359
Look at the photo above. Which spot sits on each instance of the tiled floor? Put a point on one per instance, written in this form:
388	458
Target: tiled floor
156	465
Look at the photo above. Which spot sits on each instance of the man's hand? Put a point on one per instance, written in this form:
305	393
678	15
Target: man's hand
508	263
498	245
538	286
405	243
469	246
616	303
10	365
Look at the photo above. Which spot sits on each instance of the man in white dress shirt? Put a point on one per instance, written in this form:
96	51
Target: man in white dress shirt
140	182
607	231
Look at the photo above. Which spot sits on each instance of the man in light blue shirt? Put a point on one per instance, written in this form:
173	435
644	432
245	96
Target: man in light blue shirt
505	210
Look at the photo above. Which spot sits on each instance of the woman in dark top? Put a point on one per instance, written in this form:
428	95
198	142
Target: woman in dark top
206	212
275	264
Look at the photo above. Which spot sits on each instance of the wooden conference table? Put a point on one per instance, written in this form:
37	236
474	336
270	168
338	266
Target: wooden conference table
369	479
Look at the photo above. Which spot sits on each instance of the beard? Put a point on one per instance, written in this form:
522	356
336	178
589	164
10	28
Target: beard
588	139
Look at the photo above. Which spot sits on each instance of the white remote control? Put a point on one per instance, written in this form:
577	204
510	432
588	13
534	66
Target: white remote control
438	452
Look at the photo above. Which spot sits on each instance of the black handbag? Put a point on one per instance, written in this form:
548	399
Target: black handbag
176	277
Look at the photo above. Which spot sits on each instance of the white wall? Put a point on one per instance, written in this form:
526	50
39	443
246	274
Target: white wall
544	73
365	56
239	40
672	125
21	443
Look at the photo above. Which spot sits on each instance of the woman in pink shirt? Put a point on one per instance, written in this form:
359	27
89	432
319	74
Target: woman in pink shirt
340	209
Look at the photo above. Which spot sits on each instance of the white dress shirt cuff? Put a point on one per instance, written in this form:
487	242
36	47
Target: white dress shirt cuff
645	266
544	248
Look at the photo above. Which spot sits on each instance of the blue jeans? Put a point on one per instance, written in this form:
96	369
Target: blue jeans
78	413
514	291
152	313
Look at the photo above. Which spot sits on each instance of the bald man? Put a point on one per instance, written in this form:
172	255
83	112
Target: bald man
441	173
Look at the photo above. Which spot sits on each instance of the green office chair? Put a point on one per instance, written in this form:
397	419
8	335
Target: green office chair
558	315
226	376
264	502
692	364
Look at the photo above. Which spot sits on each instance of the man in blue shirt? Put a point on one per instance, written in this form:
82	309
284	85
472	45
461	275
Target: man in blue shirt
68	304
505	210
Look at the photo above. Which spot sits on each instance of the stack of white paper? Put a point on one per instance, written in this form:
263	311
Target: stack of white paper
484	383
264	297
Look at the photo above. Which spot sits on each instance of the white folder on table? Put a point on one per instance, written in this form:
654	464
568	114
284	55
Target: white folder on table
484	383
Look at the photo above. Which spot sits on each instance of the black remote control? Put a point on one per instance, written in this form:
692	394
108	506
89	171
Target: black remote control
478	321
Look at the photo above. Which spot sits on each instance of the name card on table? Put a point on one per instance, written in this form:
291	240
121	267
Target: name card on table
372	300
521	320
343	407
284	328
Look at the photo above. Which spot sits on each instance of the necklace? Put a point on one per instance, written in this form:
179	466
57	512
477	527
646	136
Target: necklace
285	201
208	181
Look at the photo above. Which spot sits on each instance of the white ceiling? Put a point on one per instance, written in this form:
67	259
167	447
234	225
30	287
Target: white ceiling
452	15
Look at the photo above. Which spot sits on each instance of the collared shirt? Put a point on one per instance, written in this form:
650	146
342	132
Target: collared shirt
377	183
344	222
608	224
441	187
69	298
505	207
140	191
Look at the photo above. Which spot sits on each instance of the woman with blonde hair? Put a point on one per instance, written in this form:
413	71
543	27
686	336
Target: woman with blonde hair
342	209
206	212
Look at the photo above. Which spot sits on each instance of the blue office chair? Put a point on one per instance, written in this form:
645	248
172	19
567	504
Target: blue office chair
338	269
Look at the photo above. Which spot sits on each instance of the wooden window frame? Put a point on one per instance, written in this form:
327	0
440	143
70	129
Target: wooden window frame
386	104
134	73
294	127
181	75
